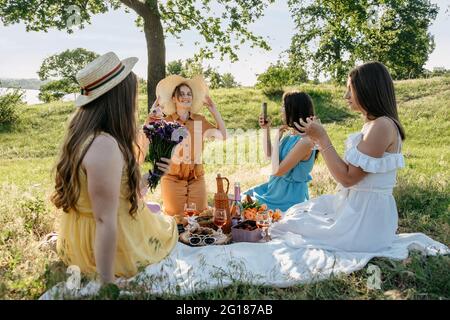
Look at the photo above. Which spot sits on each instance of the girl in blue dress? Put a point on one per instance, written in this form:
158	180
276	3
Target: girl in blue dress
289	184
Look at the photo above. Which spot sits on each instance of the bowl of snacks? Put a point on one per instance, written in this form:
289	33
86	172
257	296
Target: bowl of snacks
246	231
205	218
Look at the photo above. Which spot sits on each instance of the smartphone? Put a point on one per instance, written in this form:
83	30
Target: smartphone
264	111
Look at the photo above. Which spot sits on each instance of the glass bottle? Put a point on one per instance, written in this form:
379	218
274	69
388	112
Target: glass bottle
236	207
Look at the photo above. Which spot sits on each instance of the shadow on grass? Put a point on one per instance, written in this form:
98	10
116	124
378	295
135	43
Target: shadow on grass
274	96
426	199
324	104
326	107
8	127
423	209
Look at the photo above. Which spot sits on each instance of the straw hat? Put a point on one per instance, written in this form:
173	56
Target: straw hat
166	87
101	75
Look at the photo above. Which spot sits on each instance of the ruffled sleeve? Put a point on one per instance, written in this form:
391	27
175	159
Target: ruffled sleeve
389	161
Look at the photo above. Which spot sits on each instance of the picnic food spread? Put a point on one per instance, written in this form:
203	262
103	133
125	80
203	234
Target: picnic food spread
200	228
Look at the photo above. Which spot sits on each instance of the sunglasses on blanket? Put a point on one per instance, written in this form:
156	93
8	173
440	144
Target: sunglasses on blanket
198	240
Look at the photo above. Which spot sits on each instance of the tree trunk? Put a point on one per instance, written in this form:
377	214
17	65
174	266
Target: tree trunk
156	53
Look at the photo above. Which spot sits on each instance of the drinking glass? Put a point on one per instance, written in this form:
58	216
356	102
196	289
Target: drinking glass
263	222
220	219
189	209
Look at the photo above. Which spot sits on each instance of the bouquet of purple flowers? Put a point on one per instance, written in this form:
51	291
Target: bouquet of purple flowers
163	137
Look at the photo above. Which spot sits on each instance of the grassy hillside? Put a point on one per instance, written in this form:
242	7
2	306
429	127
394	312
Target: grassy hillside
28	152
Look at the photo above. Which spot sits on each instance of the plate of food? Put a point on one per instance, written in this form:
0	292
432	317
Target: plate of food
206	219
203	236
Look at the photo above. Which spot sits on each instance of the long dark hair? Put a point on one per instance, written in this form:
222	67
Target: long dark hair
375	92
297	105
114	113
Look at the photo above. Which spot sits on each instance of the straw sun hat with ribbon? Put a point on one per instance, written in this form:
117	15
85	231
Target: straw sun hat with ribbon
101	75
166	87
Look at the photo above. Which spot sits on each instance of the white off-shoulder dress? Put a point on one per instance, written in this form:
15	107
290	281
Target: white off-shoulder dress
362	218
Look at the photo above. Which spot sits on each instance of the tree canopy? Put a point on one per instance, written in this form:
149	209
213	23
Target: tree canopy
61	69
332	36
66	64
223	24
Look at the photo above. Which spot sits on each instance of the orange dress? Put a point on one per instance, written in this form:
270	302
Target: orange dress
185	181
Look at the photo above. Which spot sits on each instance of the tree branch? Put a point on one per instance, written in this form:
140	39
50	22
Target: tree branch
140	7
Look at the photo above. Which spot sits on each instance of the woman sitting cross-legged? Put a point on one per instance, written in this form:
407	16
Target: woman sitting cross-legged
106	228
362	216
289	184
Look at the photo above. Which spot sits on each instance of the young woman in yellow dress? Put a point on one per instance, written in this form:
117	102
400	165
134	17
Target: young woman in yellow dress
106	228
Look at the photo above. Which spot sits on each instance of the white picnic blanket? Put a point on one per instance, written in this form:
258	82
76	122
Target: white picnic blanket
279	263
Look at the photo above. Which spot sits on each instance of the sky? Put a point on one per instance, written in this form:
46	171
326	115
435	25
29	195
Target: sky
21	52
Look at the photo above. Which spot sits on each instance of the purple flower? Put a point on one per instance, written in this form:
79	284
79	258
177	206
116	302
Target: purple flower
163	137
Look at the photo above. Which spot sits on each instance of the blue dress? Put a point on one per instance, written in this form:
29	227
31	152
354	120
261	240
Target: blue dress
291	188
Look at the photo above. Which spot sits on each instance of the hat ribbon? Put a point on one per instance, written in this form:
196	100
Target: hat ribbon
103	80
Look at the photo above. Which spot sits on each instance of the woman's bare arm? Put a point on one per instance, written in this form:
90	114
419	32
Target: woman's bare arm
299	152
103	164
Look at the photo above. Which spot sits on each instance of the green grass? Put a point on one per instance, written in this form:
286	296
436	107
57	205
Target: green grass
28	152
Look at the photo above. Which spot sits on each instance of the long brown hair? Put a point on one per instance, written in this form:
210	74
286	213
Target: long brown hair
113	113
375	92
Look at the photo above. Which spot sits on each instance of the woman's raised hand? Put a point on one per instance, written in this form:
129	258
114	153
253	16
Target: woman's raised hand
264	124
153	110
156	103
210	104
311	128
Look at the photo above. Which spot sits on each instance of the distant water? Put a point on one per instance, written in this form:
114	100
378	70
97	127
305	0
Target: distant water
31	96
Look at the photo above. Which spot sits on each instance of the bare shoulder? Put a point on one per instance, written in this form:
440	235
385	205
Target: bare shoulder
378	137
104	149
303	148
381	123
382	127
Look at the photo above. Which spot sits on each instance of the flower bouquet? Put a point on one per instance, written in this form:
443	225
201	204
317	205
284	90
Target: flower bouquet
163	137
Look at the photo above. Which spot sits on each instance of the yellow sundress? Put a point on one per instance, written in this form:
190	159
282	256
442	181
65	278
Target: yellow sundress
143	239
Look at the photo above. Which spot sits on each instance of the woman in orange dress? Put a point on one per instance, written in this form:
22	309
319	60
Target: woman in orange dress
181	100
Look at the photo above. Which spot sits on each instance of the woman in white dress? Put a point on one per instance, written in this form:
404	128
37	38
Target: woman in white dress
362	216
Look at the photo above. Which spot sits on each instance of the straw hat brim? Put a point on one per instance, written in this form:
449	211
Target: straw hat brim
128	66
166	86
